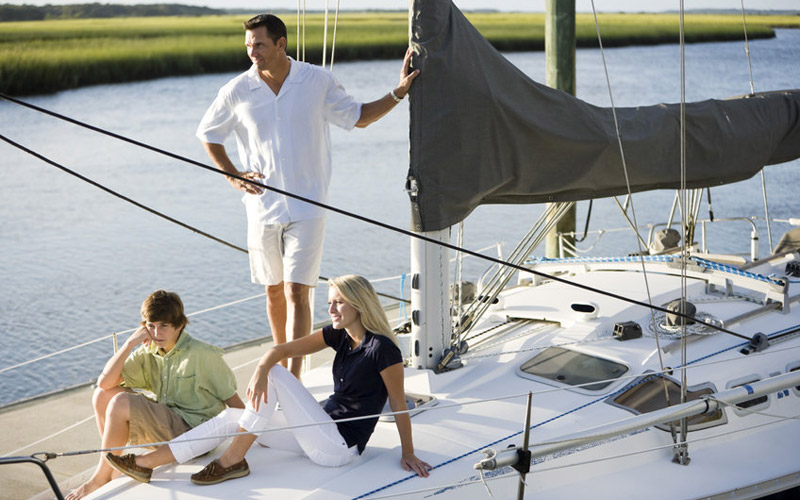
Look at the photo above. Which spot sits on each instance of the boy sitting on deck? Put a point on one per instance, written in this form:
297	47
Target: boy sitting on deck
189	378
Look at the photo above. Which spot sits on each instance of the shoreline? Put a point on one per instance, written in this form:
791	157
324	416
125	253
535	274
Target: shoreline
43	57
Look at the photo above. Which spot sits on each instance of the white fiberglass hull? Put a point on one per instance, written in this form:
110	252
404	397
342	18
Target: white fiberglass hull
748	454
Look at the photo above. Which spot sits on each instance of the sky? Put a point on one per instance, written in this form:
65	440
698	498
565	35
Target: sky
505	5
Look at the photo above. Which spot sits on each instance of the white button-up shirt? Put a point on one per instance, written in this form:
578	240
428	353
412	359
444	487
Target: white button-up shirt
284	137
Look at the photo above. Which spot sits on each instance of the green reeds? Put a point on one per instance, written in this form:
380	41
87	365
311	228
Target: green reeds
46	56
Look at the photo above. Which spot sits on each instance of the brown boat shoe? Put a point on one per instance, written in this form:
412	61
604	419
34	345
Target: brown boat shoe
214	472
127	465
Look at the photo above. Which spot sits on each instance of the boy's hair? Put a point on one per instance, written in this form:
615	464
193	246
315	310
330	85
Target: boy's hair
275	27
165	306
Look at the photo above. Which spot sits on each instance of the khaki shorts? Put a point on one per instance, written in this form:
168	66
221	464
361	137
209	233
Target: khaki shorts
153	422
286	252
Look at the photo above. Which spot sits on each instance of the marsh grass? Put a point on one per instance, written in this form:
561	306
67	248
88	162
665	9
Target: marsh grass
46	56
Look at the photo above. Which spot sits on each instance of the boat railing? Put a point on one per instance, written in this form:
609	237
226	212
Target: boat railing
115	334
45	470
482	279
703	233
569	249
776	383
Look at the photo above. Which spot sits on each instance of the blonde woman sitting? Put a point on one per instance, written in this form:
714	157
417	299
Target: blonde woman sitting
367	368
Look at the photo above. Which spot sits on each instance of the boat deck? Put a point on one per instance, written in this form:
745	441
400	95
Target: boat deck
482	405
64	421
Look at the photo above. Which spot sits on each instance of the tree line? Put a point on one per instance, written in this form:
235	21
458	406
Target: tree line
25	12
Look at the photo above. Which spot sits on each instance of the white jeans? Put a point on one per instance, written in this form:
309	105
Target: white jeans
321	443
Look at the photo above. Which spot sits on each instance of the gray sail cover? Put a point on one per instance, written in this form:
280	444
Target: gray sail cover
483	132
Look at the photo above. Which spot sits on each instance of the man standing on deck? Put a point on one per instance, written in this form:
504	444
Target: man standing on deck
279	111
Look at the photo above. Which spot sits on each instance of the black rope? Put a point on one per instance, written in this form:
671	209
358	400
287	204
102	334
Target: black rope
148	209
374	222
118	195
588	218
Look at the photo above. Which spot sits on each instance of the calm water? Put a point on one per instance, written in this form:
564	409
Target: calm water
76	263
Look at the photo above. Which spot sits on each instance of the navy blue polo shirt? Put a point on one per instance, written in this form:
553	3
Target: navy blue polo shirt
358	388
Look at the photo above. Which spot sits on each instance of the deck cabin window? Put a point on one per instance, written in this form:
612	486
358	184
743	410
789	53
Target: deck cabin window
752	402
758	403
574	368
793	368
648	395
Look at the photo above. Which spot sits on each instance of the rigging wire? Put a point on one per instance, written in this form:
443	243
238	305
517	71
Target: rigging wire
433	408
503	475
297	33
325	36
625	170
551	419
365	219
634	223
698	363
233	246
681	450
459	285
753	91
335	25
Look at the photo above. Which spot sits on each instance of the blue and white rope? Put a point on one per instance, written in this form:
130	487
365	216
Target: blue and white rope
708	264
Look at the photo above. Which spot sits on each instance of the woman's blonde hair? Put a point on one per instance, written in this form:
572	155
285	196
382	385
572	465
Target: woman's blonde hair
359	293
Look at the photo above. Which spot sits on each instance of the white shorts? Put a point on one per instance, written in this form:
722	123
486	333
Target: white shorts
286	252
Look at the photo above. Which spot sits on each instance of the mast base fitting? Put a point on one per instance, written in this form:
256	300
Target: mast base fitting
793	269
450	361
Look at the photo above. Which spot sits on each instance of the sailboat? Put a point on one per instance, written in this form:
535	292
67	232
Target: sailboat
668	372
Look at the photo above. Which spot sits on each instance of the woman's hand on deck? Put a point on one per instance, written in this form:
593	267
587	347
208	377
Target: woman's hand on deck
413	464
257	388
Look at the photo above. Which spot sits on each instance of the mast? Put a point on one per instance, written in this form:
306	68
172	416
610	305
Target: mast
559	32
430	299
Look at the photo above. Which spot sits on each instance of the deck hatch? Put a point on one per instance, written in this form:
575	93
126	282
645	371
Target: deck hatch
647	394
574	368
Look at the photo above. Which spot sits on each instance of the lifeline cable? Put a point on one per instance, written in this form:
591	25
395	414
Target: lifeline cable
566	413
367	220
648	376
502	475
